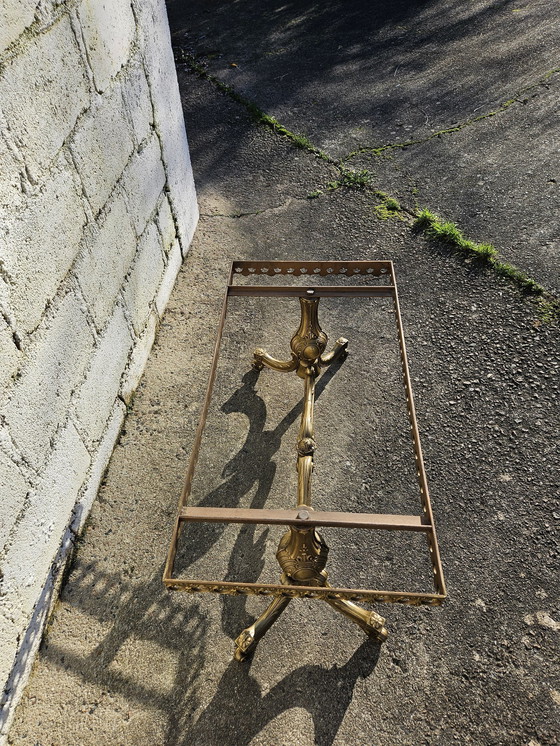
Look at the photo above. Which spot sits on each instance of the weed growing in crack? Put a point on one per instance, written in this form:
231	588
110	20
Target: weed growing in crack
351	179
450	234
520	278
388	208
519	97
257	114
548	311
548	305
426	222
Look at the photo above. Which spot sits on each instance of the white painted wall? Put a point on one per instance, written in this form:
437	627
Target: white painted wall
97	210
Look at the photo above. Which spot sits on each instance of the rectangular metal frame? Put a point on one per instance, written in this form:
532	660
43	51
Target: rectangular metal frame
423	523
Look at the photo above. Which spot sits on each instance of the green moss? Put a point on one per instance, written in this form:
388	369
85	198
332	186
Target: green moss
548	310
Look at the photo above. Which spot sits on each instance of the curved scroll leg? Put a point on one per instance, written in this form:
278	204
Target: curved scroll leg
262	358
248	639
339	352
370	621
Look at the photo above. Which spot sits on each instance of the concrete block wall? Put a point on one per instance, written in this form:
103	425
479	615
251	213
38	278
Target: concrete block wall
97	210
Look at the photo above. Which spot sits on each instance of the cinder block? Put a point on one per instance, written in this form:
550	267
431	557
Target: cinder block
8	646
143	281
39	242
96	396
13	490
166	224
15	17
9	357
174	261
104	263
56	364
43	90
136	95
108	30
35	541
99	463
102	145
11	194
143	182
137	361
168	113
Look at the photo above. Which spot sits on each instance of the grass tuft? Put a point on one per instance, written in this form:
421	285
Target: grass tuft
448	233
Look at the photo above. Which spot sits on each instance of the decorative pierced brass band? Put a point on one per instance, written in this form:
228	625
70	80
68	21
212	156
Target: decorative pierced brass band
323	269
235	588
302	552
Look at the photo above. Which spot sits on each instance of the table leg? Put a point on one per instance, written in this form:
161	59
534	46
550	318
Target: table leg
338	352
369	621
248	639
262	358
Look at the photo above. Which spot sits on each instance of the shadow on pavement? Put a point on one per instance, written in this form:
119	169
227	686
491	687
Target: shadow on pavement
139	612
251	465
238	711
414	66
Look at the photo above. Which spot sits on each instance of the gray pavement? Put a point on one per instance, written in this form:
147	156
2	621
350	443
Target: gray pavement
125	662
361	75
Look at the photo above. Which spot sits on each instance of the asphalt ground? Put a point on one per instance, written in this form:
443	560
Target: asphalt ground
126	662
356	76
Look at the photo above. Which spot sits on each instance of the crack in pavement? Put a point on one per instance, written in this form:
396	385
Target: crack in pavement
547	301
516	99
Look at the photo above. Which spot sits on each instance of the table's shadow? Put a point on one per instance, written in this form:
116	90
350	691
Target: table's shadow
239	711
252	464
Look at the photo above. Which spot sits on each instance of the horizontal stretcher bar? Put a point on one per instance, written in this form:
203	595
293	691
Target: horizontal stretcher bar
303	291
316	518
229	587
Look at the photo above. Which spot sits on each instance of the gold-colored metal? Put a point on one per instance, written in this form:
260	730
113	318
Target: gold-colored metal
302	552
302	555
306	441
236	588
248	639
308	345
372	623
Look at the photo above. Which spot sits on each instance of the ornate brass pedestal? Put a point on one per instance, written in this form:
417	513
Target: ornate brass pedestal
302	552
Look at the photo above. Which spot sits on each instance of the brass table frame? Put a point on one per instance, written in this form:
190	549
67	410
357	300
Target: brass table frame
302	553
